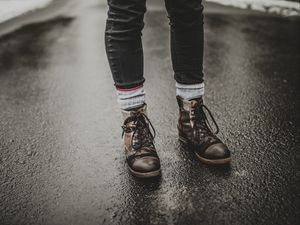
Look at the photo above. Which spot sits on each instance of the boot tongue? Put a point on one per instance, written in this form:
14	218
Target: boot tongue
188	104
134	112
196	101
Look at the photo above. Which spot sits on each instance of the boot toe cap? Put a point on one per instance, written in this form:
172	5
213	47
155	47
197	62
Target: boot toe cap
146	164
217	151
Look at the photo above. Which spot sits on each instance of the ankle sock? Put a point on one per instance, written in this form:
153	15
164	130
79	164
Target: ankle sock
189	91
130	98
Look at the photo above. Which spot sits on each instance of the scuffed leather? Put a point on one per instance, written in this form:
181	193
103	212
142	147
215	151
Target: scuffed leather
208	146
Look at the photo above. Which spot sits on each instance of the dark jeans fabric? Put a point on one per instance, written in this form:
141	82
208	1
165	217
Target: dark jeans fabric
124	48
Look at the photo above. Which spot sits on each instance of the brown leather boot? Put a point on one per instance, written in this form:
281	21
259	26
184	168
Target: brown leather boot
141	156
194	129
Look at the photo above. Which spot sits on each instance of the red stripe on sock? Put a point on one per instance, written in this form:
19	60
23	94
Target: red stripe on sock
130	89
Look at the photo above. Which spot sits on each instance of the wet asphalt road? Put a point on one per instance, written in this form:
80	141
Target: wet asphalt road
61	160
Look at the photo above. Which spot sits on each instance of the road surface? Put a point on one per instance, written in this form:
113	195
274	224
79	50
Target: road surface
61	158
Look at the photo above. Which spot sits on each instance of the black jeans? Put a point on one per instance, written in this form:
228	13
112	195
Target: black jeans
124	45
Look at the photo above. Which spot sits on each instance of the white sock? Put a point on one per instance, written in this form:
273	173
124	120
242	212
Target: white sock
131	98
189	91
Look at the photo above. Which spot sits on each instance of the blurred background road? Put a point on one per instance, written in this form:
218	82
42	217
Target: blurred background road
61	158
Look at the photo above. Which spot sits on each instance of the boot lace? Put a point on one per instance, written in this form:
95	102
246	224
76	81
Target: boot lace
202	128
142	135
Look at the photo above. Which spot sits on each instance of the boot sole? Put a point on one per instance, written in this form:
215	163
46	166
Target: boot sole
204	160
155	173
214	161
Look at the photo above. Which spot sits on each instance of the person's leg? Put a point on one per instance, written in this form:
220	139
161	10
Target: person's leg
186	26
186	23
125	55
124	50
